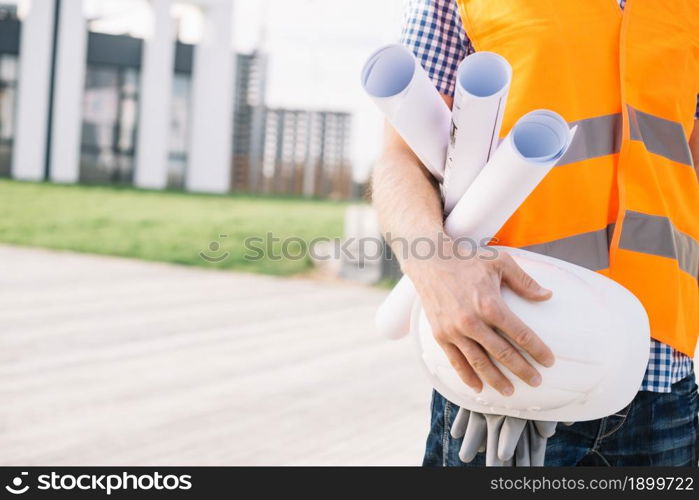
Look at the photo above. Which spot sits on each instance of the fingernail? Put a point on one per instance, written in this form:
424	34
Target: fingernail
548	362
544	292
508	391
535	380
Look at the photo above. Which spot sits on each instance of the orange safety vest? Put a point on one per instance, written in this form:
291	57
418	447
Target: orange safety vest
624	200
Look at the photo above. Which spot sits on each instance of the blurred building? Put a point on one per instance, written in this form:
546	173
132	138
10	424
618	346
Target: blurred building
9	55
89	107
286	151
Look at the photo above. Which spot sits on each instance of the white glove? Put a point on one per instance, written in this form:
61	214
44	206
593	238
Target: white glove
506	440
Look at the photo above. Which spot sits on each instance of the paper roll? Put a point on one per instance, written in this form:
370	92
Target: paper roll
401	89
520	163
531	149
482	85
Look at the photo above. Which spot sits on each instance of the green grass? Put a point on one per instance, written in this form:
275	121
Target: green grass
163	226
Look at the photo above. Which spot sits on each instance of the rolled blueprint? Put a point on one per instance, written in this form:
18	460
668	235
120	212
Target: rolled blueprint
482	84
538	140
534	145
400	87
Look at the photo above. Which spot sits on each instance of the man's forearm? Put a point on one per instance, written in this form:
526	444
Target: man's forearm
405	196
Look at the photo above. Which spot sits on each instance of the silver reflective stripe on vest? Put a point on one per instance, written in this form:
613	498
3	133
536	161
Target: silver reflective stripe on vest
655	235
599	136
590	250
663	137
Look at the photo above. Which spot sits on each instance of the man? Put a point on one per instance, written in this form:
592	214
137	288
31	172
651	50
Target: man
629	75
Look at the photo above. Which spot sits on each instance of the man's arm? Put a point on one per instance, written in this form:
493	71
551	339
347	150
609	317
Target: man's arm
461	296
694	146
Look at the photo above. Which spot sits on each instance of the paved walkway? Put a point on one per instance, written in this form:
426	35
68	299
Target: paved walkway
111	361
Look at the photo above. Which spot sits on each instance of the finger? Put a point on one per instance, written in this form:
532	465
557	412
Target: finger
537	445
458	428
491	448
463	369
522	458
474	438
518	331
484	367
520	282
545	429
495	312
509	437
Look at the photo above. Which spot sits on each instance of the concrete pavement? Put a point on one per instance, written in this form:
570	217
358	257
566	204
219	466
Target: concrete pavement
107	361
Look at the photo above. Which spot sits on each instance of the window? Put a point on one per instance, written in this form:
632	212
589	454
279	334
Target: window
179	131
8	98
110	116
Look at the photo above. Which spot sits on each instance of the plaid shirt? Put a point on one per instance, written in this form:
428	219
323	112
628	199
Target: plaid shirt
433	31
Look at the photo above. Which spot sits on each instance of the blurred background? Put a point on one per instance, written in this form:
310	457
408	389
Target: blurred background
287	76
142	140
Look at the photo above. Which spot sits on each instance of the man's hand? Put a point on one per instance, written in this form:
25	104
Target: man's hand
462	301
461	297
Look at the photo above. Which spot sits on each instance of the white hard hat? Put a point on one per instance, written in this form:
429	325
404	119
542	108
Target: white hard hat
596	328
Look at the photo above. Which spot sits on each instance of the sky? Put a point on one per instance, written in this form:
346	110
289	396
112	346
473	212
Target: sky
316	49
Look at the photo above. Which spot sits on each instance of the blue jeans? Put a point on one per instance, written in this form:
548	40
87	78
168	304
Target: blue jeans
655	429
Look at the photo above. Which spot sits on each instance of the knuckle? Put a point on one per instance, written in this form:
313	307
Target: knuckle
470	351
503	259
524	337
479	362
468	322
505	355
441	336
489	307
526	280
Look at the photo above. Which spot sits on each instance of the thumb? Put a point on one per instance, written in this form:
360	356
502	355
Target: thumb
521	283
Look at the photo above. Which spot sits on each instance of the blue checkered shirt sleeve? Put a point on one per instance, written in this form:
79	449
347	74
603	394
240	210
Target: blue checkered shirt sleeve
432	29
